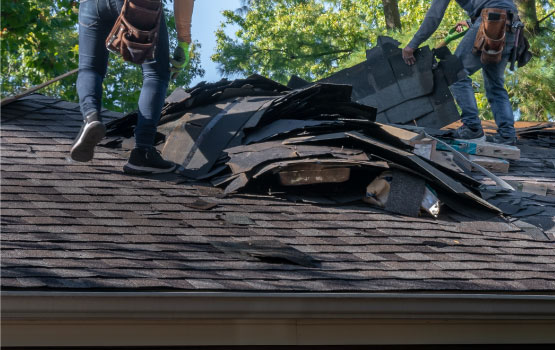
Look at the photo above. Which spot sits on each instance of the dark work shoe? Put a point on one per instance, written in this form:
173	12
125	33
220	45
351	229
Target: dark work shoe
511	141
92	132
144	161
466	133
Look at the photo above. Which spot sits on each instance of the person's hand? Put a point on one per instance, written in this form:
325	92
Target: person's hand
181	57
408	55
461	25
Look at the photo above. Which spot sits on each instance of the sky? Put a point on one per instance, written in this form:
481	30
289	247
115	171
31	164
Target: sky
207	16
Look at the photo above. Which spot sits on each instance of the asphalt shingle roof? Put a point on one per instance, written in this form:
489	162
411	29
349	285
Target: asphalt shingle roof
88	226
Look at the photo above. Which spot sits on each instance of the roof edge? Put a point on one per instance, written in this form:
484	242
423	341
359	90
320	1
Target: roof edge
208	305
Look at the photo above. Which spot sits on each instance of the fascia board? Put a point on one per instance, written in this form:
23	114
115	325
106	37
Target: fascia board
209	305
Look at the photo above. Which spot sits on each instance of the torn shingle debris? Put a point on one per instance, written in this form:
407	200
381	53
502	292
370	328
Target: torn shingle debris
544	134
315	144
301	142
415	95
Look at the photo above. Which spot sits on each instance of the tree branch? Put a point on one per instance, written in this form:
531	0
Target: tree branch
546	17
321	54
293	57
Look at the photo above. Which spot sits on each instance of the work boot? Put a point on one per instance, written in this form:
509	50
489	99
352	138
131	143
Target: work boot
467	133
91	133
511	141
143	161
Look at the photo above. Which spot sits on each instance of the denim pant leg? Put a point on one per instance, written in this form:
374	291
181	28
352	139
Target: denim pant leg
156	75
463	90
498	98
94	27
494	79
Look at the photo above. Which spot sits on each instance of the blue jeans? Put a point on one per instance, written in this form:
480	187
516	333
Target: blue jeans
494	80
96	19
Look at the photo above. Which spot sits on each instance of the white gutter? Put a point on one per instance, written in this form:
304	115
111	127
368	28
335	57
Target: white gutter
207	305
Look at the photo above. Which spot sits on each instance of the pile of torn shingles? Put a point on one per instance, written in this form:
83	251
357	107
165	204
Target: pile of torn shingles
310	144
417	95
315	144
528	205
543	134
491	156
543	139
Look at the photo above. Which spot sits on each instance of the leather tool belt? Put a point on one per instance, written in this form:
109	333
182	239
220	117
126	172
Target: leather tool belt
490	39
135	33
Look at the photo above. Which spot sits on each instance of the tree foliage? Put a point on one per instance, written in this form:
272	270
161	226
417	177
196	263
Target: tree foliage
311	38
39	41
314	38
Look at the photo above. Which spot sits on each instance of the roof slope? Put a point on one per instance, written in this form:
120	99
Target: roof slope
72	226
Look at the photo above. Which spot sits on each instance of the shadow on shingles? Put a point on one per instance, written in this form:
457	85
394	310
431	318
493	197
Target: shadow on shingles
284	276
167	266
268	251
524	207
544	223
168	177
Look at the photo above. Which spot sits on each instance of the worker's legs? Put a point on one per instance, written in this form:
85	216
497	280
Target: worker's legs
156	75
498	98
463	90
95	22
145	159
96	18
493	82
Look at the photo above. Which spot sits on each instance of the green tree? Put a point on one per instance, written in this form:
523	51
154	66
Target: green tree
39	41
314	38
528	13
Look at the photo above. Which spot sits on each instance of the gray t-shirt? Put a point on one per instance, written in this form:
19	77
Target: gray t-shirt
437	11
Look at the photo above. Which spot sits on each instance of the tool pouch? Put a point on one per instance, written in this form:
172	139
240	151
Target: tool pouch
135	33
490	39
523	54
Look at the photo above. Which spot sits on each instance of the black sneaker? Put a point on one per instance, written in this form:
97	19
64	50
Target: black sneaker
511	141
147	161
466	133
90	135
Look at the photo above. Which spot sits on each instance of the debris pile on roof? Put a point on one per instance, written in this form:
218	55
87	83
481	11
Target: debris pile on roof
419	96
313	143
491	156
544	134
310	144
494	157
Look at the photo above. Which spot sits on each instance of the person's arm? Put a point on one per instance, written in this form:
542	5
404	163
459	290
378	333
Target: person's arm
183	12
427	28
431	22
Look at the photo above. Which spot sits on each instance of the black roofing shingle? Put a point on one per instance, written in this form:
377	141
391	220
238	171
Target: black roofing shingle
69	225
